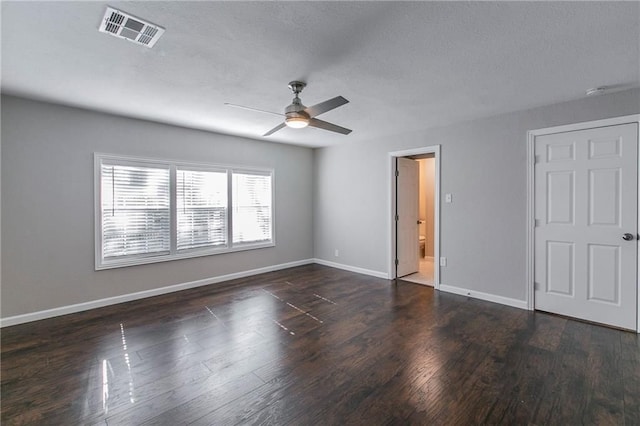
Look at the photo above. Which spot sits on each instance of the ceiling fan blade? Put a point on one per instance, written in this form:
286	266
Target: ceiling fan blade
253	109
314	122
275	129
325	106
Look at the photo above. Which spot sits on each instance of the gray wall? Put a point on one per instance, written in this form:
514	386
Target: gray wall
336	198
47	203
483	164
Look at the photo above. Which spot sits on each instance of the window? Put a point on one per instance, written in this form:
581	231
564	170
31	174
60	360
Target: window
202	209
152	211
135	211
251	207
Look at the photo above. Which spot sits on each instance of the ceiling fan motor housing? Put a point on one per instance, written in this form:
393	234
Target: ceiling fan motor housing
295	115
296	109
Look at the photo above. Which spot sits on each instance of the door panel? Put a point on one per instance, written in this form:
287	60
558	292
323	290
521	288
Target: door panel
604	273
560	267
407	209
560	197
586	198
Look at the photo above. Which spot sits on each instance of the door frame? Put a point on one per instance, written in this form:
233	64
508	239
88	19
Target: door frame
435	150
530	240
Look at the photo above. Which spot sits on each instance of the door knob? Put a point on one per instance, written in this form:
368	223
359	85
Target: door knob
627	237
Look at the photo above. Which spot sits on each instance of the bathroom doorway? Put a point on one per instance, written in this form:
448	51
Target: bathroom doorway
425	235
426	187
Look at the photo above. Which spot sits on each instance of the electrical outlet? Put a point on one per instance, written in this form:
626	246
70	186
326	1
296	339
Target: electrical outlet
336	253
443	261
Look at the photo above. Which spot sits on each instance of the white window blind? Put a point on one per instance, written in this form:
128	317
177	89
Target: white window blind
252	198
135	210
150	210
201	208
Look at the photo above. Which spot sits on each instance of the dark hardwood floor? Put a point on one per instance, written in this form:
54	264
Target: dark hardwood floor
315	345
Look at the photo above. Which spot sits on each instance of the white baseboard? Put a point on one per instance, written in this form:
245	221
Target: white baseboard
522	304
70	309
79	307
352	268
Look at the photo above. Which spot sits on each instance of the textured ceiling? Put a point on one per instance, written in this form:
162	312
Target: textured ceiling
404	66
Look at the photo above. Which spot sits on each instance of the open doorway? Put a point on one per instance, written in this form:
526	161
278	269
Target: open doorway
425	222
415	215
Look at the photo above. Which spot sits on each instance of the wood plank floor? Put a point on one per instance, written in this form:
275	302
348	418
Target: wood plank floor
315	345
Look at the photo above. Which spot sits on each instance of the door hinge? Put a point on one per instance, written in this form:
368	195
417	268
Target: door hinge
536	286
397	173
536	159
397	262
397	218
536	222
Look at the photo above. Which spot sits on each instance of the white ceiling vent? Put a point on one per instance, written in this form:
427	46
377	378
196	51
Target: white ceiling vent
122	25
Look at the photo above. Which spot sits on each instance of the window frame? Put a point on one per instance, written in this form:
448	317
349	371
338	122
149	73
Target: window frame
174	253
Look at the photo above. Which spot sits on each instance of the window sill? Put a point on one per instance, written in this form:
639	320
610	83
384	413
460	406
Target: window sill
186	254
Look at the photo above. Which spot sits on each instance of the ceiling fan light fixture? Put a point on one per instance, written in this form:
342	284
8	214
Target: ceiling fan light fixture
296	122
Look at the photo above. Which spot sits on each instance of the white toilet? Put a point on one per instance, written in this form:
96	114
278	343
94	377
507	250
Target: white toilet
422	245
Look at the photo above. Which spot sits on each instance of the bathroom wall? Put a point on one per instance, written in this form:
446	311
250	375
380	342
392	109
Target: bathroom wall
426	200
422	197
428	189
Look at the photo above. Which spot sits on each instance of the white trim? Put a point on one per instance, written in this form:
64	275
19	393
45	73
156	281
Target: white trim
520	304
356	269
436	222
614	121
184	254
85	306
530	253
197	164
391	205
530	220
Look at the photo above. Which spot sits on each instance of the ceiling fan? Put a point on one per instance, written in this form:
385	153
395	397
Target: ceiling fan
298	116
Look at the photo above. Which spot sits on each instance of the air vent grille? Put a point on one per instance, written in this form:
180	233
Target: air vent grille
114	22
122	25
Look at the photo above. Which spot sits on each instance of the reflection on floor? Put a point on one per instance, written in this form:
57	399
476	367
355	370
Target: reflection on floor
424	275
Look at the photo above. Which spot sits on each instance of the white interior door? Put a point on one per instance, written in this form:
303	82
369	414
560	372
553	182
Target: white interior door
408	211
586	210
